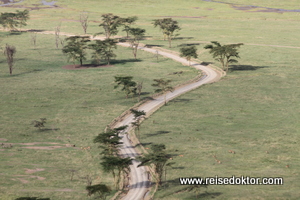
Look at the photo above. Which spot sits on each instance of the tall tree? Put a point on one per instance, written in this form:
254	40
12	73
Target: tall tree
84	21
225	54
158	157
9	52
129	86
76	47
127	22
168	26
103	49
110	24
14	20
116	166
163	86
109	142
136	35
138	115
189	52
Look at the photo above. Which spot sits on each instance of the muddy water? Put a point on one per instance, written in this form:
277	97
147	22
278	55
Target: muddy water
249	7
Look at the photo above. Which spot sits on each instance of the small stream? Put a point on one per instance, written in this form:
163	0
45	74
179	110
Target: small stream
11	2
248	7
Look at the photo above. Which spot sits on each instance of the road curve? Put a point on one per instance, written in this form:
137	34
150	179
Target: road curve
139	182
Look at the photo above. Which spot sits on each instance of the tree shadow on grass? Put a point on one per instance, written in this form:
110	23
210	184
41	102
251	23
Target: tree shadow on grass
244	67
206	63
182	38
157	133
20	74
206	195
153	45
36	30
188	44
124	61
181	100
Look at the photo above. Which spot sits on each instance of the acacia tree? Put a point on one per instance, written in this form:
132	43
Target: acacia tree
84	21
110	24
129	86
103	49
137	34
14	20
117	166
138	115
110	140
163	86
76	47
100	191
127	22
168	26
9	52
225	54
158	157
189	52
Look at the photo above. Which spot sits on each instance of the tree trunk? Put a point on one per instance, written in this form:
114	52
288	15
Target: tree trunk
170	45
80	61
10	70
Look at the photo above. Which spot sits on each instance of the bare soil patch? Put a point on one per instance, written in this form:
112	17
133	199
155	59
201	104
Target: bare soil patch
3	139
31	171
87	66
43	147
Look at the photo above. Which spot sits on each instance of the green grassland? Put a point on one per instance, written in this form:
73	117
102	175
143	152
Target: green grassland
80	103
253	110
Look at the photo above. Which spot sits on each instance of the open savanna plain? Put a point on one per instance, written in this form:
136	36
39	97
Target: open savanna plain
253	111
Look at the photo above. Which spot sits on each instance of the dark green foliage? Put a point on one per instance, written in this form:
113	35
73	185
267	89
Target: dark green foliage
189	52
103	50
109	142
163	86
39	124
76	47
127	22
136	35
110	24
100	191
129	86
168	26
116	166
158	157
138	115
14	20
224	53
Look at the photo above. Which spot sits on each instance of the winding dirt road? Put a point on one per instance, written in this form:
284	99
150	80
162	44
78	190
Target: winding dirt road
139	182
139	176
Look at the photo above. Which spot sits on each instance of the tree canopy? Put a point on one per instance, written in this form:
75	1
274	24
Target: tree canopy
225	54
168	26
189	52
136	35
76	47
163	86
12	21
103	49
129	86
110	24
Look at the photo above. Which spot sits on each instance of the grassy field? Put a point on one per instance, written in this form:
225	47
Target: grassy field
252	111
78	104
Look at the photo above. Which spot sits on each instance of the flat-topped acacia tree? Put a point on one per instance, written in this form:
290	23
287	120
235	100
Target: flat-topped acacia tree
168	26
110	24
12	21
76	47
136	35
189	53
224	53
